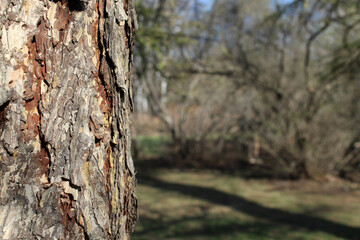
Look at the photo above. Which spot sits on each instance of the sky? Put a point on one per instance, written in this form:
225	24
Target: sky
284	1
208	3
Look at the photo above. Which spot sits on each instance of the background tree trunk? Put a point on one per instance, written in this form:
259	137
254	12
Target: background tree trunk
65	104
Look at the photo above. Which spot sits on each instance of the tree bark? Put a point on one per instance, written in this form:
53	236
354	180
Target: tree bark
65	105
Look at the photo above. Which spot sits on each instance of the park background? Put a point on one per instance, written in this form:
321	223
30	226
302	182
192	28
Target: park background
246	119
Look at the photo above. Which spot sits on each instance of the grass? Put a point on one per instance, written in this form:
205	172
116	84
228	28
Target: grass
209	205
152	146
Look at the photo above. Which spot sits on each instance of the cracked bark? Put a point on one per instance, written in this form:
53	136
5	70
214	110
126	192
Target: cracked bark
65	105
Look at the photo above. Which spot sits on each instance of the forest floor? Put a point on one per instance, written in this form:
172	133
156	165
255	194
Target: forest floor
176	204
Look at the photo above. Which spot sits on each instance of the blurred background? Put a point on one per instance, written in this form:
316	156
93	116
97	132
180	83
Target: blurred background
247	119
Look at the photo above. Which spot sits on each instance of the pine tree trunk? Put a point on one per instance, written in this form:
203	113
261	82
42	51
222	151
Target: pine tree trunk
65	104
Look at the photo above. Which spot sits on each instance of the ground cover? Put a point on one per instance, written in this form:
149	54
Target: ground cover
189	204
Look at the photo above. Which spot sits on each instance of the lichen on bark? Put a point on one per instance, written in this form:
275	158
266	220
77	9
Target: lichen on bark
65	105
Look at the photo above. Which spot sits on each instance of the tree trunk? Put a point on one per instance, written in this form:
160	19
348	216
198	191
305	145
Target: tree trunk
65	104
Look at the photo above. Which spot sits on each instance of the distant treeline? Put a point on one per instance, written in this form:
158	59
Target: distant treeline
280	83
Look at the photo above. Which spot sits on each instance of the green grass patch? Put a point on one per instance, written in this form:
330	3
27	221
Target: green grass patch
209	205
152	146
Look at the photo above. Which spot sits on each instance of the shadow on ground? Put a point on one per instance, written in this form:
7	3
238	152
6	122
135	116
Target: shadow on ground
210	228
273	216
242	168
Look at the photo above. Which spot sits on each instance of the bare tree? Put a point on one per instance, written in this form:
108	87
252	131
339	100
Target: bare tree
274	77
